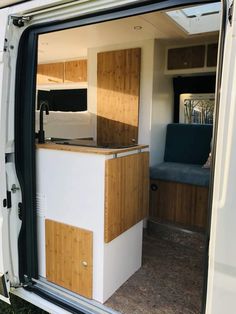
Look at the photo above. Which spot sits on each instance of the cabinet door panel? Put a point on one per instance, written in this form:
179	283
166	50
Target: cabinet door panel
50	73
179	203
69	257
186	57
118	82
212	50
126	193
76	71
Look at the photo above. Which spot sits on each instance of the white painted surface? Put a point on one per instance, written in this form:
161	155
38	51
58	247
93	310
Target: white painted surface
63	45
70	190
9	222
86	305
3	19
147	49
221	290
66	124
38	301
41	214
14	223
162	105
122	257
73	187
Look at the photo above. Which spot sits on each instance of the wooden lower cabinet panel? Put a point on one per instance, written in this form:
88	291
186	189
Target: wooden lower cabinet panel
126	193
179	203
69	257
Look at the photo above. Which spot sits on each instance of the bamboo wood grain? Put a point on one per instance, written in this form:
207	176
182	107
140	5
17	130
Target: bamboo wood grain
50	73
76	71
118	88
179	203
89	150
126	193
67	250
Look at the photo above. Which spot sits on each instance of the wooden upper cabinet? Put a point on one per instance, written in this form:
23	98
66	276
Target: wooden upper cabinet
62	72
76	71
118	88
186	57
50	73
212	50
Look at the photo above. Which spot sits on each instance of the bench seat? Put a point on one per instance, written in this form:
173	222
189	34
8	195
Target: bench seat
181	172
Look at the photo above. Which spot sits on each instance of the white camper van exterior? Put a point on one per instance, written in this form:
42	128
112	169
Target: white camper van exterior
15	18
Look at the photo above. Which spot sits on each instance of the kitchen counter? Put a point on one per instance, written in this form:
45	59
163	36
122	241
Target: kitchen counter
91	150
101	194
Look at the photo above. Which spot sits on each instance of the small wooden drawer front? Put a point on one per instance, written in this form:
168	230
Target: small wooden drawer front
186	57
69	257
50	73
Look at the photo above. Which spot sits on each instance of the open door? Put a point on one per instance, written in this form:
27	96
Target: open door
222	258
5	202
223	231
10	194
10	225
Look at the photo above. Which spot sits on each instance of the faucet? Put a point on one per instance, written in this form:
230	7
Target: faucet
41	134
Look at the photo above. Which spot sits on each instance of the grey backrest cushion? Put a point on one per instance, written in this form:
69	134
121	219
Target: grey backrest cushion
188	143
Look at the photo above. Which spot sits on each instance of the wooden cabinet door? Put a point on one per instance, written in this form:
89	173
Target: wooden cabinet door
186	57
126	193
118	88
50	73
212	50
76	71
69	257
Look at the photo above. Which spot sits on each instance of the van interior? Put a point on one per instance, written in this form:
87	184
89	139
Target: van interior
124	117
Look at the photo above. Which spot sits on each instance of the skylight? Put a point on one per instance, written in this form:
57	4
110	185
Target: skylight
198	19
206	9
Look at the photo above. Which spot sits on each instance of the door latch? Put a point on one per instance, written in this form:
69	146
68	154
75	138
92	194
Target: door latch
14	188
230	13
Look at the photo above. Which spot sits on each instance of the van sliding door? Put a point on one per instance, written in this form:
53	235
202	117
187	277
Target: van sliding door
221	290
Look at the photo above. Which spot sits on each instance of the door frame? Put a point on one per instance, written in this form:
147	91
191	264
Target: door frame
25	125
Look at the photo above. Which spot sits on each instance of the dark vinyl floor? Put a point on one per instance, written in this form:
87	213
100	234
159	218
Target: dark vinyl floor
169	282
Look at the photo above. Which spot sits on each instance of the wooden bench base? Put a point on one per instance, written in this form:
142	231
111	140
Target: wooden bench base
179	203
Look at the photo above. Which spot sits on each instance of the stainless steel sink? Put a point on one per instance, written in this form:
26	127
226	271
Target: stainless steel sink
88	143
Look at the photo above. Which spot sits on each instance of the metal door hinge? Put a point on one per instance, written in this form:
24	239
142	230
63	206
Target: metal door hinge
7	201
20	210
230	13
20	21
5	44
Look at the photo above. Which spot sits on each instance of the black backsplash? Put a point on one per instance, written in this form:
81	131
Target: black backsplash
64	99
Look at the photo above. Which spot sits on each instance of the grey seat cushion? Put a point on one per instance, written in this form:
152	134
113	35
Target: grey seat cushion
183	173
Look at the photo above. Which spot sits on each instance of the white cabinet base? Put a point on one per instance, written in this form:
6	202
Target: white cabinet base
72	186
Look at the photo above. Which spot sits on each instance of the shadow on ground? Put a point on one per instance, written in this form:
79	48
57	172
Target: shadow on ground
19	306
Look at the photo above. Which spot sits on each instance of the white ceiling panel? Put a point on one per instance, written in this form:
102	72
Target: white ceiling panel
73	43
5	3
